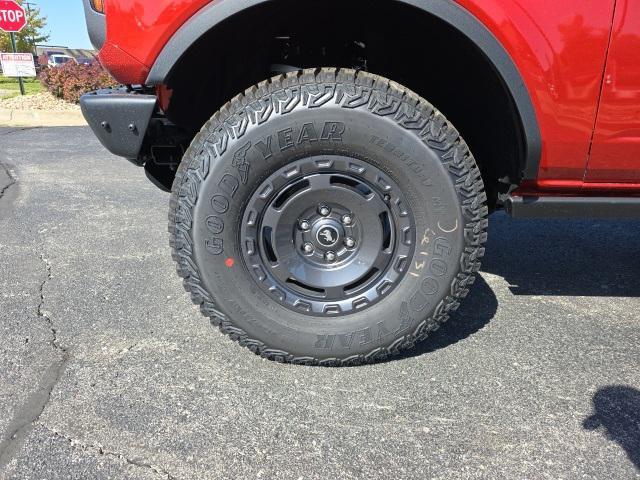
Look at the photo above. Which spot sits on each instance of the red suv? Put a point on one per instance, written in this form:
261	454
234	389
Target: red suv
332	163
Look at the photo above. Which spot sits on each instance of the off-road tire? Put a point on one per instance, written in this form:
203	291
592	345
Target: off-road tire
386	125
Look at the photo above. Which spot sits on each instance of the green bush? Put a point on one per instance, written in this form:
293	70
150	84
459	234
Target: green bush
70	81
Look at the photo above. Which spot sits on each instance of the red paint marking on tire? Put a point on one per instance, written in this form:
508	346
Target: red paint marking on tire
229	262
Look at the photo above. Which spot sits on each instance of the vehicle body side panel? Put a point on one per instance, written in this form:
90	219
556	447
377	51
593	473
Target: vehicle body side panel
560	49
615	153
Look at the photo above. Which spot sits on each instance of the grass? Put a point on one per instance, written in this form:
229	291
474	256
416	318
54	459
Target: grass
31	86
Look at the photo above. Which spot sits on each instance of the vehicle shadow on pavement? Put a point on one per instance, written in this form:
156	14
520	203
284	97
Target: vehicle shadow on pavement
565	257
476	311
546	257
617	415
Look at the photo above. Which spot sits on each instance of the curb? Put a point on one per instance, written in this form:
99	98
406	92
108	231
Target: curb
40	118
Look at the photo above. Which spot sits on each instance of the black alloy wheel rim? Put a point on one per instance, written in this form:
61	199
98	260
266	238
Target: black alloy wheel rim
327	235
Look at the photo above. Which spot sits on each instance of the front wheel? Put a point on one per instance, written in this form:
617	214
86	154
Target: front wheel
328	217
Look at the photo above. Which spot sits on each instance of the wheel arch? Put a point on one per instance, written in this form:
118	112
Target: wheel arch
210	17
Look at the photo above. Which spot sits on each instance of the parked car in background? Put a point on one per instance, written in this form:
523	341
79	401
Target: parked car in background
56	60
85	61
333	164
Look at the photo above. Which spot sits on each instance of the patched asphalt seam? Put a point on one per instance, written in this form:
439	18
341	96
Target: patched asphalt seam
24	419
26	416
98	449
12	178
18	129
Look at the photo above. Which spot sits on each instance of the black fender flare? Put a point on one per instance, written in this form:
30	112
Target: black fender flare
448	11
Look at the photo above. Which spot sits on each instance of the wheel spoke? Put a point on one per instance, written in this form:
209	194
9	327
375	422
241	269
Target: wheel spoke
271	217
382	260
334	292
376	205
320	182
280	271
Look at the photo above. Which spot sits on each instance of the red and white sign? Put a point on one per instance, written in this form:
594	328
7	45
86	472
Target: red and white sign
17	65
12	16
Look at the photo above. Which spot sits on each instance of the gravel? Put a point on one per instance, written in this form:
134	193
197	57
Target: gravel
39	101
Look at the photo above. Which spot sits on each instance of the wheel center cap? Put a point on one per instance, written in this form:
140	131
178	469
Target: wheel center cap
327	236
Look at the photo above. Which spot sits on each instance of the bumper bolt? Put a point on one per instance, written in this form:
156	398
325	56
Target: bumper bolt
324	210
347	219
330	256
349	242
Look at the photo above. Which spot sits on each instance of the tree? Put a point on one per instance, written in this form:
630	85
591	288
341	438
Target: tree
30	36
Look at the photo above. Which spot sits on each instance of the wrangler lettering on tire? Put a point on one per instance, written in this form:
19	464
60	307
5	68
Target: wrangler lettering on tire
328	217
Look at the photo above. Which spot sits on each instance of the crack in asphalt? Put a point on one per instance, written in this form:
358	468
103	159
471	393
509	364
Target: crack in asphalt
102	451
26	416
12	180
42	313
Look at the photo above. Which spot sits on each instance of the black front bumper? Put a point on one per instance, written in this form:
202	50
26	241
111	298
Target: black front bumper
119	118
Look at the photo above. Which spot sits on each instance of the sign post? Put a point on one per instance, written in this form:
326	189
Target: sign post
15	50
12	20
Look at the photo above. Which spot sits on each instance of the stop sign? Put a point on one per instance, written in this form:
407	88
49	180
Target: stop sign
12	16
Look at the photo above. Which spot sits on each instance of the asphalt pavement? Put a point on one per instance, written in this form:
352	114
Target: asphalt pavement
108	371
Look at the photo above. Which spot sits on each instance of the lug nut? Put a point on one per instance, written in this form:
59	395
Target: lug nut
304	225
330	256
349	242
324	210
347	219
308	248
